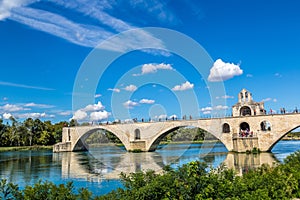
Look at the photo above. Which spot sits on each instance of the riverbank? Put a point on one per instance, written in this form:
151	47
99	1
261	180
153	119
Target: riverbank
26	148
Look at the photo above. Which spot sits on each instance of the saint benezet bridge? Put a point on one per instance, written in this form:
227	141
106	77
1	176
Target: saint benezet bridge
248	128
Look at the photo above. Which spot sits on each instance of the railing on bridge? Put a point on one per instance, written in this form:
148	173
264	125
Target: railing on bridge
188	118
250	134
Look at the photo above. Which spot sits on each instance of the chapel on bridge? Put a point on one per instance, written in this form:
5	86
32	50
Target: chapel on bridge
246	106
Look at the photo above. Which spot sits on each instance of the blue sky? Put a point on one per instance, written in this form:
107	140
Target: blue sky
45	44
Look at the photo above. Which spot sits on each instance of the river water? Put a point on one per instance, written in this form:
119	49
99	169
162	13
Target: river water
99	168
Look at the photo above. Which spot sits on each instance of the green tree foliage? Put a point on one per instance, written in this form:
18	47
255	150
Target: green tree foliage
102	137
189	134
30	132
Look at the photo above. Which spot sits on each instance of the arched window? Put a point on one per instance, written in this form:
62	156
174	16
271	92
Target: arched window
226	128
265	126
137	134
244	126
245	110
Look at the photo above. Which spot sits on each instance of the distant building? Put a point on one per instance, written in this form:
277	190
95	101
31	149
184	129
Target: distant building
246	106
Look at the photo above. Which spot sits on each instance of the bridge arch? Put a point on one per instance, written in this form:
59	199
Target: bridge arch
281	136
79	144
156	140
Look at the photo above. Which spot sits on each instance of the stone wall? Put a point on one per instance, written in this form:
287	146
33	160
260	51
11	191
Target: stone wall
243	144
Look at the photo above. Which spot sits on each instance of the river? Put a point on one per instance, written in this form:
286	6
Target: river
98	169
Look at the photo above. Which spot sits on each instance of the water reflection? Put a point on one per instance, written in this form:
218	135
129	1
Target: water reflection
90	168
96	166
25	162
242	162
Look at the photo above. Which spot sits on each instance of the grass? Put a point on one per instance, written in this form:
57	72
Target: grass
26	148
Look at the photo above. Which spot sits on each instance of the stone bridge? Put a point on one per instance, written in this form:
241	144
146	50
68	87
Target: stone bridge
264	132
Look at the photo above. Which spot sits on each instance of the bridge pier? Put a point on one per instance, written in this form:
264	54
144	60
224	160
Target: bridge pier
244	144
138	145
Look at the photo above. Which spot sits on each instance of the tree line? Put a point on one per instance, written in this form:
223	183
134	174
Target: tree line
30	132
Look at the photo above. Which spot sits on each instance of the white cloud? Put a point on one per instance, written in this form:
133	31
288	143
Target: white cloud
100	115
153	68
93	107
220	107
12	108
93	112
64	113
269	99
7	5
249	75
130	104
226	97
80	115
130	88
173	116
163	116
97	95
206	109
38	105
6	115
156	9
184	86
5	98
81	34
222	71
24	86
33	115
147	101
209	109
114	89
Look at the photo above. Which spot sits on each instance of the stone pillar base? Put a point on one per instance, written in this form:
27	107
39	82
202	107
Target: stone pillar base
137	145
244	144
62	147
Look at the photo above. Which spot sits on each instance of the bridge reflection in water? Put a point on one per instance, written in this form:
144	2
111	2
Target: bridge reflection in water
242	162
96	166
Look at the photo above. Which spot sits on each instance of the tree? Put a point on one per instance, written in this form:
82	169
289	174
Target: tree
73	122
29	123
